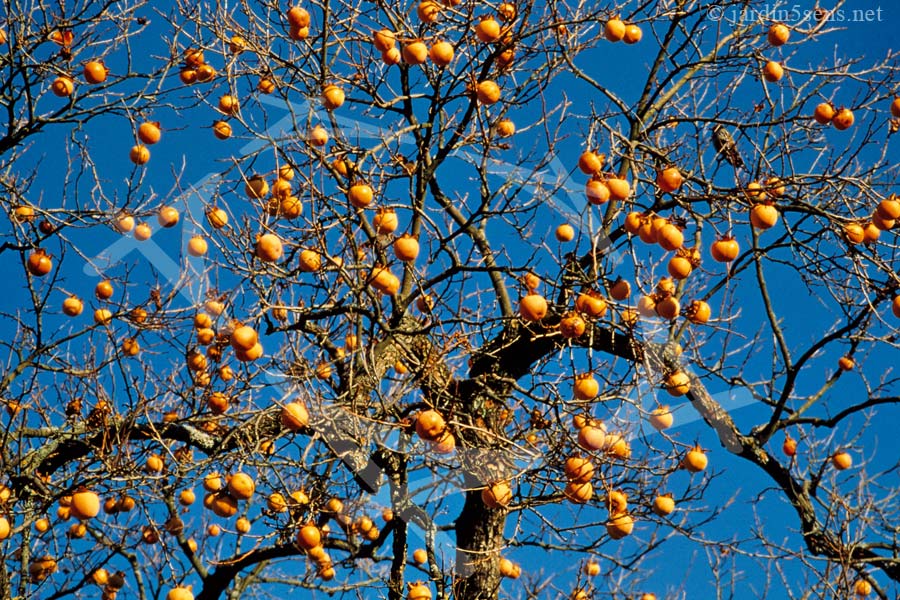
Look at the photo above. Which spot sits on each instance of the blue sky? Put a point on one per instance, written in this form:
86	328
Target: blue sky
188	154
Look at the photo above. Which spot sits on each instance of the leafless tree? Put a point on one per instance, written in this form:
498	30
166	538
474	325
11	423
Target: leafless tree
422	277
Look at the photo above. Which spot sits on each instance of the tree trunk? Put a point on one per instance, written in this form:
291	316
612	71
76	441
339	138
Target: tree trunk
479	537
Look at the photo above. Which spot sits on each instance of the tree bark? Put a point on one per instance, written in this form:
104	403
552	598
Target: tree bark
479	537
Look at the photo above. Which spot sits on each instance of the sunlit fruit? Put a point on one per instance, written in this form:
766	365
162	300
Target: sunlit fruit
871	233
633	34
383	40
845	363
193	57
824	113
142	232
488	30
167	216
39	263
149	132
591	303
298	16
85	504
591	437
677	383
879	222
775	187
420	556
216	217
180	593
579	469
428	11
197	246
725	249
102	316
843	119
391	56
591	568
505	128
488	92
695	460
597	192
221	129
614	30
430	425
265	85
237	44
679	267
579	492
139	154
841	460
497	495
72	306
294	416
763	216
586	387
242	525
154	464
854	233
698	312
663	505
95	72
620	290
269	247
123	223
661	418
415	52
533	307
187	75
862	588
619	526
531	281
298	33
670	237
590	162
789	447
318	136
619	188
406	248
571	325
778	34
441	53
241	486
332	97
186	497
418	591
509	569
62	86
360	195
565	233
212	482
773	71
229	104
385	221
669	179
506	11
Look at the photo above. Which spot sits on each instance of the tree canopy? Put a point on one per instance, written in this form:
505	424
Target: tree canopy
448	299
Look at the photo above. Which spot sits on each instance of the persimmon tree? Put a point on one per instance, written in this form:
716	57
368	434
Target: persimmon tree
424	294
